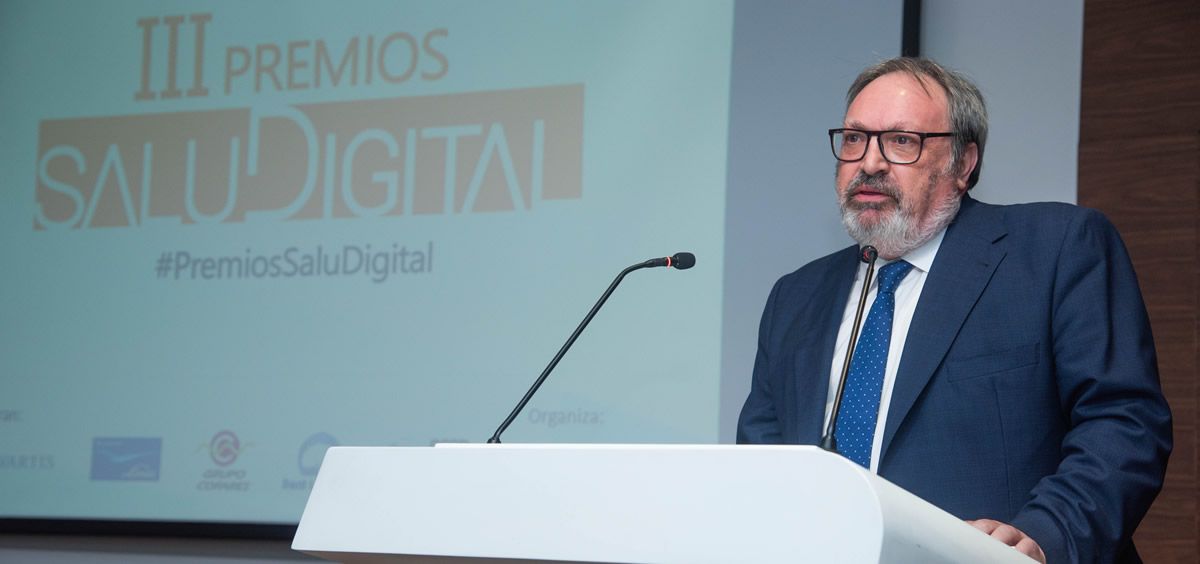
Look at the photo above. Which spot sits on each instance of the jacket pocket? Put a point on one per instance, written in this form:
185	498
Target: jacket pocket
979	365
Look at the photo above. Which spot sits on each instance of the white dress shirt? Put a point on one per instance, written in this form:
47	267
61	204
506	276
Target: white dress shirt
908	292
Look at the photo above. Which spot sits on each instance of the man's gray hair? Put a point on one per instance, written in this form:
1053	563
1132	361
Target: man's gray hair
968	113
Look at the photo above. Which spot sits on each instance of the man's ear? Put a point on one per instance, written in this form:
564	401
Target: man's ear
966	164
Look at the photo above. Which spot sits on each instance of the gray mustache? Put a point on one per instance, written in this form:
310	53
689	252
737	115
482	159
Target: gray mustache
876	183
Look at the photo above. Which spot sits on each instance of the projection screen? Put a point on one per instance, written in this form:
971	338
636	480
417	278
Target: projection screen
237	233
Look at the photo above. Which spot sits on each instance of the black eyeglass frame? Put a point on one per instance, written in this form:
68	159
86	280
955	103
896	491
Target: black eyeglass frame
876	134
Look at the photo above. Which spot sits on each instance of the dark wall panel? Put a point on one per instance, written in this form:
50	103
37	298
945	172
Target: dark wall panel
1139	163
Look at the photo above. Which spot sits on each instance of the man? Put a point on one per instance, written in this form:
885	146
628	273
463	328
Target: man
1005	371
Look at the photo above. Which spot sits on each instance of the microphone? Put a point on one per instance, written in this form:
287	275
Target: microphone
867	254
681	261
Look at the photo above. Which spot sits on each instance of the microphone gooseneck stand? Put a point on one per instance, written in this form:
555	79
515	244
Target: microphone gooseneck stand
681	261
867	254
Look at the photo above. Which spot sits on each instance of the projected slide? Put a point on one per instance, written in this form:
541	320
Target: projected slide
234	234
239	233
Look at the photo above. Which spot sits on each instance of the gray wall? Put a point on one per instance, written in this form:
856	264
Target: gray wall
1027	57
780	208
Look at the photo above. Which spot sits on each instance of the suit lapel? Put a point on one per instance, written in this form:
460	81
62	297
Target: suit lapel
813	336
964	264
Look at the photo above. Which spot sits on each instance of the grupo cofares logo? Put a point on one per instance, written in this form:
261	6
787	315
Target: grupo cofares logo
224	450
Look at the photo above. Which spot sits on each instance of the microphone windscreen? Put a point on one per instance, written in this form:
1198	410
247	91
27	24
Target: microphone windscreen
683	261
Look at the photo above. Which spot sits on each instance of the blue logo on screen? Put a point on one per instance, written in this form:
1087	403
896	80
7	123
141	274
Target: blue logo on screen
312	452
126	458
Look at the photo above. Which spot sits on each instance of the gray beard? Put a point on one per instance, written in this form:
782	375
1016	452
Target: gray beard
901	231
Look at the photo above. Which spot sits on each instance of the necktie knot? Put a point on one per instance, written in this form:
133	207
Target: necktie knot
891	275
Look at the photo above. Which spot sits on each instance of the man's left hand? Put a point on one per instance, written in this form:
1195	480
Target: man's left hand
1011	536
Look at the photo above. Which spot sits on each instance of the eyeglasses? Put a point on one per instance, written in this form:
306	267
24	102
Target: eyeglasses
897	147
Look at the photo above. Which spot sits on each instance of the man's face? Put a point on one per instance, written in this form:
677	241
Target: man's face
899	207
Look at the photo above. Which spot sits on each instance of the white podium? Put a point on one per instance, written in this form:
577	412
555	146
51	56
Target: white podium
623	503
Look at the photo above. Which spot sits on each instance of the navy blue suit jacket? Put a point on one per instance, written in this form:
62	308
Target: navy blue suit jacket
1028	387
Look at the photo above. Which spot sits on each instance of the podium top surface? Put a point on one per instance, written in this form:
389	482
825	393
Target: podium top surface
624	503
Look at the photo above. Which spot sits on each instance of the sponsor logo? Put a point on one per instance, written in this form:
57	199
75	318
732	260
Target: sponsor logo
224	449
26	461
312	452
308	460
126	458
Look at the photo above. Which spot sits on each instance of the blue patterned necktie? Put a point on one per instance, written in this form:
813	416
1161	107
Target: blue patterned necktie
864	384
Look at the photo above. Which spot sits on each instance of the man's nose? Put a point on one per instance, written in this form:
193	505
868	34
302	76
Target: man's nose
873	162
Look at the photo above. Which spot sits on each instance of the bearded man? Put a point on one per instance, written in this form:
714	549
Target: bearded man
1005	371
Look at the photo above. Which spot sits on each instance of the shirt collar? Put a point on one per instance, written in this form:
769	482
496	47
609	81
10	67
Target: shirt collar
922	257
